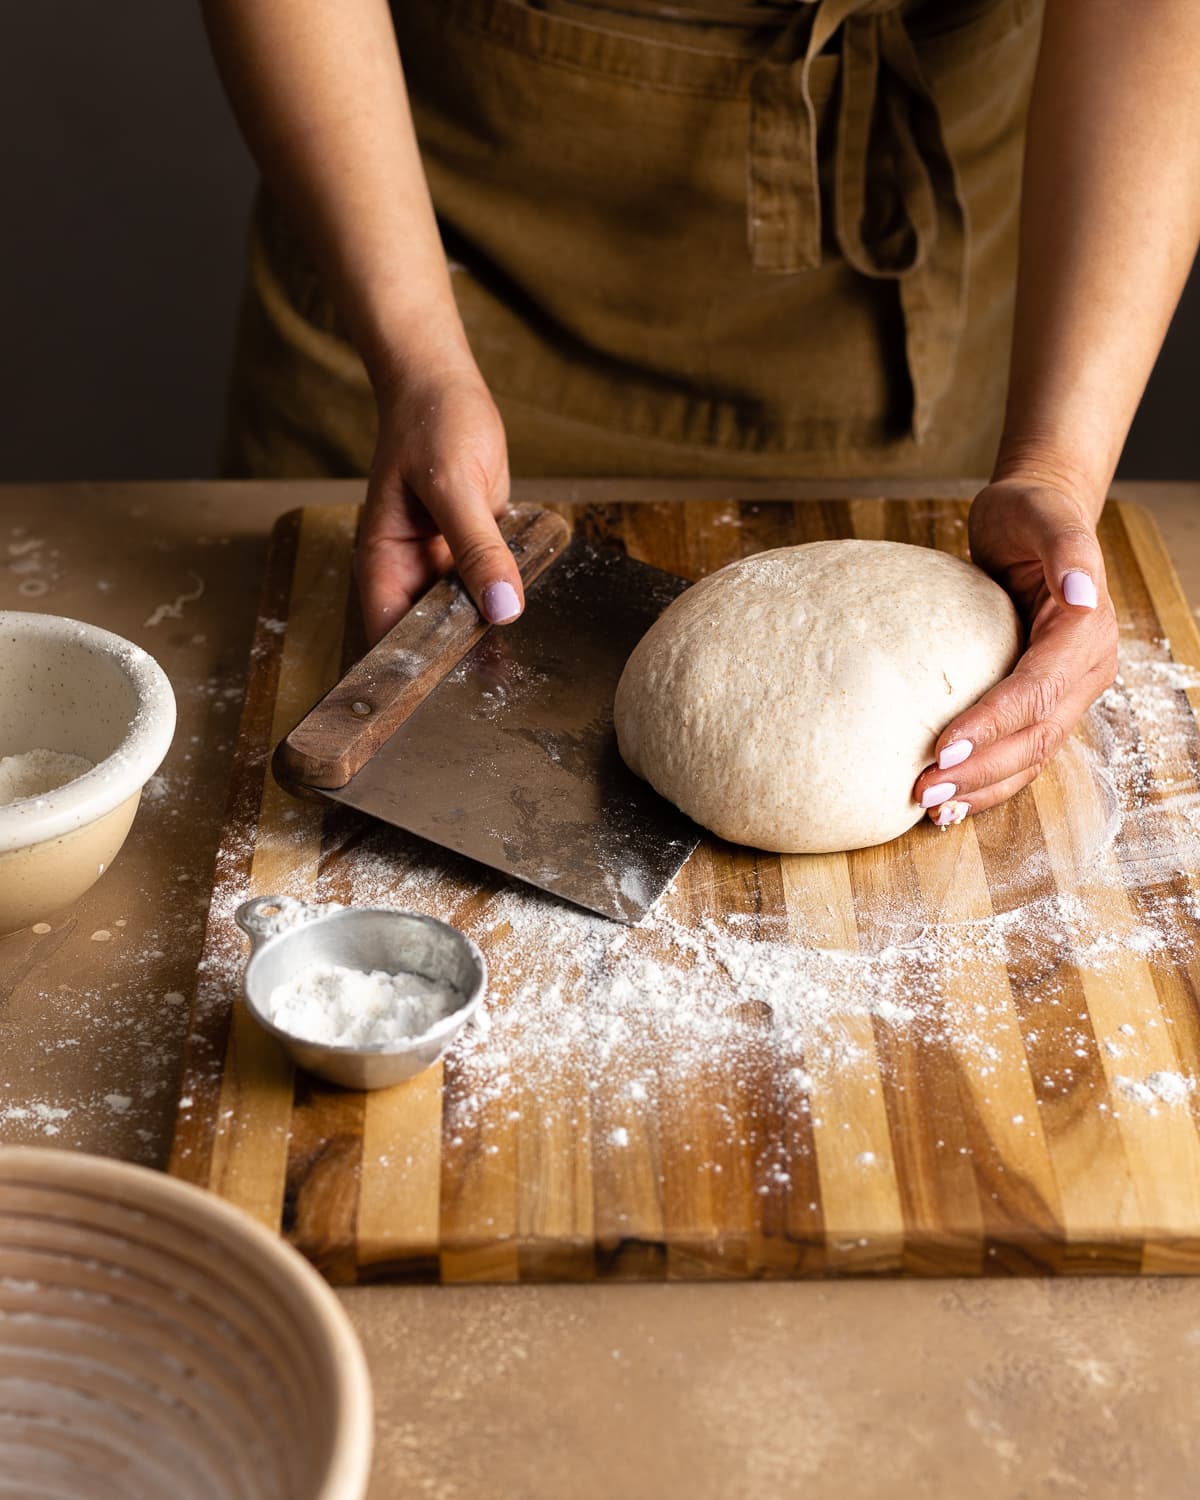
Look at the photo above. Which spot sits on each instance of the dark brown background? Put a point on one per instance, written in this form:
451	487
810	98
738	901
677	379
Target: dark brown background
126	192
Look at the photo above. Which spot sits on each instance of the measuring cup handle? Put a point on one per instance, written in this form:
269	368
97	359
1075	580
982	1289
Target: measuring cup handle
254	916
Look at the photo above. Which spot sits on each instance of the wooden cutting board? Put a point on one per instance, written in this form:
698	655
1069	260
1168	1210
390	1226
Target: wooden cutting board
972	1051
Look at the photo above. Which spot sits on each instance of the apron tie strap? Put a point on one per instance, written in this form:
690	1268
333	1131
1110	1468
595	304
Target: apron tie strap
897	205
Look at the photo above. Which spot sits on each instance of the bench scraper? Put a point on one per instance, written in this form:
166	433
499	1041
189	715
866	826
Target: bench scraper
498	743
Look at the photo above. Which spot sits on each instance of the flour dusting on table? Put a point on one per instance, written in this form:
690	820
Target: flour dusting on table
127	1010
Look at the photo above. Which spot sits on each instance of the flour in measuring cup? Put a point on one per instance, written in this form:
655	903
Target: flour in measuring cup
340	1007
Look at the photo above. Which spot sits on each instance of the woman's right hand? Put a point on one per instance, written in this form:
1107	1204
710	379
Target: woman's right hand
438	483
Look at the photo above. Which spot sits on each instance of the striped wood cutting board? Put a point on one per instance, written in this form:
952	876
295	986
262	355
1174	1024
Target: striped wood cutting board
967	1052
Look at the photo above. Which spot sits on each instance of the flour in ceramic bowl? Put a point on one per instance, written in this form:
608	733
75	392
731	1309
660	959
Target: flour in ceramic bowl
341	1007
33	773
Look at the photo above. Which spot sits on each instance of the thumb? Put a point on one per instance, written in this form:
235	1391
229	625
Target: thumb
481	555
1071	559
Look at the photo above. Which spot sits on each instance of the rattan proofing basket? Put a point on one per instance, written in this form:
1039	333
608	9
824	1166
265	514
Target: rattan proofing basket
157	1344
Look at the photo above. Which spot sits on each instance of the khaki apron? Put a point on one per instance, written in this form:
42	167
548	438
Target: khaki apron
691	240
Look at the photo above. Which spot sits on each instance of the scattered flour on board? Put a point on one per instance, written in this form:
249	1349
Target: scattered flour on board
1161	1087
593	1026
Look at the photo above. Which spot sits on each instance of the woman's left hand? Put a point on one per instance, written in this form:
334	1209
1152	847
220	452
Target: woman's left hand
1040	543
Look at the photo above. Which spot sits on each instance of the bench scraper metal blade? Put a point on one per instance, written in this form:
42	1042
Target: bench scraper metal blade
498	743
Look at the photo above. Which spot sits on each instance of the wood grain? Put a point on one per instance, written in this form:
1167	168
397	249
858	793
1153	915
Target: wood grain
1001	1138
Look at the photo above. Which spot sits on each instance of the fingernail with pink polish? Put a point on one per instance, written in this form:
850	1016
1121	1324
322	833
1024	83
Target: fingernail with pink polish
950	813
933	796
1078	588
500	603
954	754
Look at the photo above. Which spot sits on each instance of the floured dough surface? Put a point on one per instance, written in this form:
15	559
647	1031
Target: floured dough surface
790	700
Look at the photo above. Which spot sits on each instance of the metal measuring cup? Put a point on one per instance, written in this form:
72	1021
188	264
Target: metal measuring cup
288	936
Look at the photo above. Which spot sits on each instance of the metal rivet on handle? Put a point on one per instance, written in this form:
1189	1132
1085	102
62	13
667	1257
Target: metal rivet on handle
360	708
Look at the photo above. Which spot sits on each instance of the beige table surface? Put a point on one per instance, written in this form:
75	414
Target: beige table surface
848	1390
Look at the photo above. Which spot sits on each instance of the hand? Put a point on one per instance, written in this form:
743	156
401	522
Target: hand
1040	543
438	481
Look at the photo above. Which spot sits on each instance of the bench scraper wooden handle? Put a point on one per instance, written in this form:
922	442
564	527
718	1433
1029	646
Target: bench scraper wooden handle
337	737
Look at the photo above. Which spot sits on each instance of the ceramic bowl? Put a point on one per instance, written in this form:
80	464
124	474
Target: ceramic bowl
157	1343
72	687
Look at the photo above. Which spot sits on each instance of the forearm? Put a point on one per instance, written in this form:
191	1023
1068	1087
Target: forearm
1110	218
320	96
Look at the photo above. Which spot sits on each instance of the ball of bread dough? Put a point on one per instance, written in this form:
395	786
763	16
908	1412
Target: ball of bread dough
791	700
